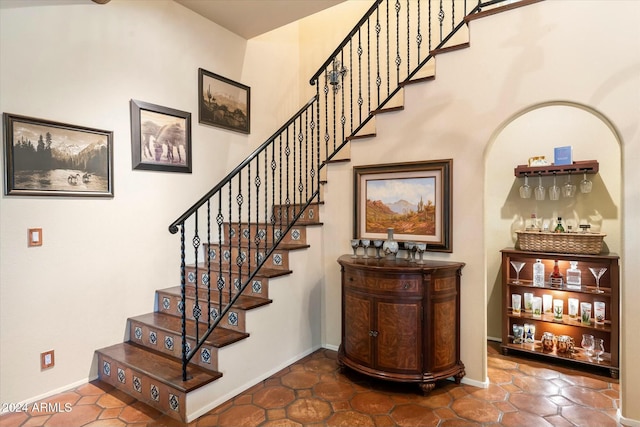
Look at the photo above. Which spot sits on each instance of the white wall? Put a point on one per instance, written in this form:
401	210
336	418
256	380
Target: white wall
541	53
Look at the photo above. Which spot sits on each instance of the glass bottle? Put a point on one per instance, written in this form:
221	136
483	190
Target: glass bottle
538	273
559	228
556	277
574	276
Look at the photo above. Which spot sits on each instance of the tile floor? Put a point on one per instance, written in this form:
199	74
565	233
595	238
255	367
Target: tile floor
315	392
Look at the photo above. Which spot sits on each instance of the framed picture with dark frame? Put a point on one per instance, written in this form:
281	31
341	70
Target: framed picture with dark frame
47	158
223	103
160	138
412	198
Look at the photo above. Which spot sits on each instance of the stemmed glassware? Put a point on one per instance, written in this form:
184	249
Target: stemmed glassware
354	246
517	266
420	248
554	190
525	190
585	184
568	189
365	244
599	349
539	190
378	245
597	273
410	246
588	344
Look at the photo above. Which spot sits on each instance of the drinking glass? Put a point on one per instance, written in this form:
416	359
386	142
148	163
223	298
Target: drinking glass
588	344
354	246
378	245
597	273
525	190
517	266
599	349
421	247
539	190
365	244
554	190
585	184
410	246
568	189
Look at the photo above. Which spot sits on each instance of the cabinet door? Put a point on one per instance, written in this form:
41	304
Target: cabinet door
398	340
357	318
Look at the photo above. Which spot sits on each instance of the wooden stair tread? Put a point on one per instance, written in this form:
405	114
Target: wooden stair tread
158	366
244	302
264	272
282	246
220	336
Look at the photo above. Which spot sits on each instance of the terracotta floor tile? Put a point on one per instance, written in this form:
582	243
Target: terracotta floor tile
78	416
539	405
316	392
372	403
350	419
242	416
520	419
587	417
274	397
475	410
309	410
587	397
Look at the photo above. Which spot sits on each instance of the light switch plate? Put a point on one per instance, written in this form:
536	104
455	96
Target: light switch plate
47	359
34	237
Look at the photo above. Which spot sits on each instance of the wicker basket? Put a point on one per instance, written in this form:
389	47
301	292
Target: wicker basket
564	243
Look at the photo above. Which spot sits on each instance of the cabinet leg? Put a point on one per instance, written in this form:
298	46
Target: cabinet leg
427	387
613	373
458	377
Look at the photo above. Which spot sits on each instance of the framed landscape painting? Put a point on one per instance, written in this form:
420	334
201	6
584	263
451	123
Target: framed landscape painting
412	198
47	158
223	103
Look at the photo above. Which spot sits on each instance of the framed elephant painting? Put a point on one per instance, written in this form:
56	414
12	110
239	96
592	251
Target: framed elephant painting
160	138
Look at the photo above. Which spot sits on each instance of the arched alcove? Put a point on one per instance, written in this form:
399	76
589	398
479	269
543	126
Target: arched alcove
536	131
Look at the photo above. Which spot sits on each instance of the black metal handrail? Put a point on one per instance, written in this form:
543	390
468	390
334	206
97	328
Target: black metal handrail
260	200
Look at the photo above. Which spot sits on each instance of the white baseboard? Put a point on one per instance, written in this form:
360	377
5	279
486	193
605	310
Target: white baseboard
627	422
233	393
474	383
494	339
30	401
330	347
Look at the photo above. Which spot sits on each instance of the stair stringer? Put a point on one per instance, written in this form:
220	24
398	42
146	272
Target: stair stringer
282	332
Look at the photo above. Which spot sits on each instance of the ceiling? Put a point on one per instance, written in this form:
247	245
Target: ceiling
250	18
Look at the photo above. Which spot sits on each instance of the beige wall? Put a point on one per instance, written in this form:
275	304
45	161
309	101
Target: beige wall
103	259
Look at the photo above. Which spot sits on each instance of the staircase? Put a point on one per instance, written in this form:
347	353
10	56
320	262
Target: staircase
238	237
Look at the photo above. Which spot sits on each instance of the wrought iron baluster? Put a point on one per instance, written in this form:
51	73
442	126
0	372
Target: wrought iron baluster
183	297
196	246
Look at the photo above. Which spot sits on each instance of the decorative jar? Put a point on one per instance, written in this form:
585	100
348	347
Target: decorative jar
390	246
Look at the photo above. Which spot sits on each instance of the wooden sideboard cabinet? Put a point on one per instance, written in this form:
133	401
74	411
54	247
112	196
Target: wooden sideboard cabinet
401	320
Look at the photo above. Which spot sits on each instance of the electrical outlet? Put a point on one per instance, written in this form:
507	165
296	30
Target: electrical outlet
47	360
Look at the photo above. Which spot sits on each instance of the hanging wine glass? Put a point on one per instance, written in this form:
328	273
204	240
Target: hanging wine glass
517	266
554	190
568	189
525	190
597	273
585	184
539	190
599	349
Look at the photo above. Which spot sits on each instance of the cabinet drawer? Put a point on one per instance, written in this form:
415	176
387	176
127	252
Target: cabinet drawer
383	283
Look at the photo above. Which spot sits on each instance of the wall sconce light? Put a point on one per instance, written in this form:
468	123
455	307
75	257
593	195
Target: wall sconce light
336	73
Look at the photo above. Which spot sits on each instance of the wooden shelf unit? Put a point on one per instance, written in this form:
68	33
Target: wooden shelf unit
609	283
588	166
